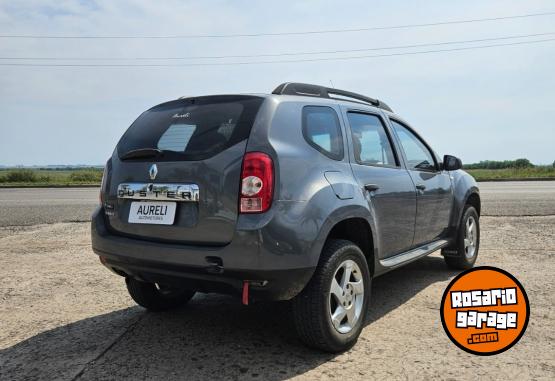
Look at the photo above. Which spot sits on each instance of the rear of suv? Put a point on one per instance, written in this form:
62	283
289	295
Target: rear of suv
304	194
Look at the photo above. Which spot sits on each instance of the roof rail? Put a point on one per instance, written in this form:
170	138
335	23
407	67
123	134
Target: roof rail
305	89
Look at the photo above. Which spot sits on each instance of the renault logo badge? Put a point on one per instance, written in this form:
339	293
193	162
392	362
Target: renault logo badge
153	171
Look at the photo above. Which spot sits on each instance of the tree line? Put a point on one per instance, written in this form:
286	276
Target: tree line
501	164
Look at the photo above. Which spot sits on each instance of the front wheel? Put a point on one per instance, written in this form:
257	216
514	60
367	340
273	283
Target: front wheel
468	242
155	297
329	313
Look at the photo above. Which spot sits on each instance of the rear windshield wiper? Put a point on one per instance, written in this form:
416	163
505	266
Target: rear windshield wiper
142	152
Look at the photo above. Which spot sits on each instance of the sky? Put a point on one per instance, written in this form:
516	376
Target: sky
495	103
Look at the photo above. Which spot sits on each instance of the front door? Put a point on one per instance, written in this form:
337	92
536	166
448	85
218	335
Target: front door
387	185
434	198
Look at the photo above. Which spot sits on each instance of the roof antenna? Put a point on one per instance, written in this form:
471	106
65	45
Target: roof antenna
332	86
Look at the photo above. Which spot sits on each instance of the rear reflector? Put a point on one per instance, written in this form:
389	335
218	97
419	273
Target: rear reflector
257	183
245	294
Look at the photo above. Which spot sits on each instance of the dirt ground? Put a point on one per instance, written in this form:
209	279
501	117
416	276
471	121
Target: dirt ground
63	316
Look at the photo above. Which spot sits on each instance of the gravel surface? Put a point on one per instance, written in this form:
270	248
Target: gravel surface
63	316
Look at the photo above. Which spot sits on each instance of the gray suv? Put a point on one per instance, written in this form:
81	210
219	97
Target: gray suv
305	194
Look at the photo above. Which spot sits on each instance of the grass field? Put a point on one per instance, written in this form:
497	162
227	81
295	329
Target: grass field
538	172
92	176
50	177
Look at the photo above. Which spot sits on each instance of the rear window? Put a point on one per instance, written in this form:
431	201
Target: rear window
194	128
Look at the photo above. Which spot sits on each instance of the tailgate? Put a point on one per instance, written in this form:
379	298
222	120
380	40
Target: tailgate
188	193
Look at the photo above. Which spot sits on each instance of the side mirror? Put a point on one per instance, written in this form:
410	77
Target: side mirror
451	163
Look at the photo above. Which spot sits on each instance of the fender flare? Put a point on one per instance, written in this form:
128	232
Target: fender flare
473	190
336	216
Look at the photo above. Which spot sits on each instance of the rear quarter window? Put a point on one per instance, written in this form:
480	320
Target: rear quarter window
192	129
321	129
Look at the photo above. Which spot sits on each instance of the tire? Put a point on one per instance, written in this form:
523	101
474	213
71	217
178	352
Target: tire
465	251
153	298
313	307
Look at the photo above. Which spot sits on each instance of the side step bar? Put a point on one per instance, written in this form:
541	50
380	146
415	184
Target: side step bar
413	254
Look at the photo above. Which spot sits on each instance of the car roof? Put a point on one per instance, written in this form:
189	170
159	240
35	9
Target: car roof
310	100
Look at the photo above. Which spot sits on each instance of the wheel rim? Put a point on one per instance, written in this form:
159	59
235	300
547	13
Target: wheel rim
346	296
470	237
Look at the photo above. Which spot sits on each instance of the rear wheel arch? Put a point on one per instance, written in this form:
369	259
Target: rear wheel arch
358	231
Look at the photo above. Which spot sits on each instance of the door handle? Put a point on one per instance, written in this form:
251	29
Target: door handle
371	187
420	187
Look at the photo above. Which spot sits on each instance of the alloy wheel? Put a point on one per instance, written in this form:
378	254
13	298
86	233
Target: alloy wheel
470	237
346	296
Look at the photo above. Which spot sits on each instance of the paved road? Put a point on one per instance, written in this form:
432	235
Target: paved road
48	205
518	198
31	206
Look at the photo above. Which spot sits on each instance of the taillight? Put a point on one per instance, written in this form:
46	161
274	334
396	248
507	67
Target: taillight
257	183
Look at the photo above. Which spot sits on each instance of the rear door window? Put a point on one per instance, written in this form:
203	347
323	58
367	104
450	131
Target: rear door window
194	128
371	143
322	130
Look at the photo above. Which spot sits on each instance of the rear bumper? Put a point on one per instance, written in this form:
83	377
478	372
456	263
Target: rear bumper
209	269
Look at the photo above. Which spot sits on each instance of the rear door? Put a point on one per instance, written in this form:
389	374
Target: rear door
181	181
387	185
433	185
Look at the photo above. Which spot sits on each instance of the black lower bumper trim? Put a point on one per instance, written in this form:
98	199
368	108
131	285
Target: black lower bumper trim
265	284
